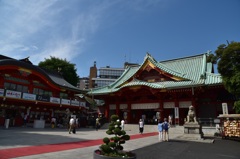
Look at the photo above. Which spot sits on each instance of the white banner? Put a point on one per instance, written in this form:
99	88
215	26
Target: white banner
168	105
185	104
224	108
74	102
54	100
29	96
123	106
65	101
13	94
83	104
145	106
176	111
1	92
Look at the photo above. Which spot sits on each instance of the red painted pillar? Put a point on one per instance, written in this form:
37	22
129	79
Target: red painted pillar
107	111
117	109
129	113
161	110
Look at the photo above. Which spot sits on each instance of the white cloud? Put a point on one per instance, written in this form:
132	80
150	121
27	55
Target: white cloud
41	29
31	26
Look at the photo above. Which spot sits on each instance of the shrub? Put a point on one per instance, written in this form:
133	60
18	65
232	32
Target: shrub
112	146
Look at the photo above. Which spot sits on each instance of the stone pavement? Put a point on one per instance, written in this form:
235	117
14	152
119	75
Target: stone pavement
57	143
179	149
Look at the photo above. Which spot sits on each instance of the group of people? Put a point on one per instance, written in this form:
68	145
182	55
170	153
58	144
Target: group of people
163	128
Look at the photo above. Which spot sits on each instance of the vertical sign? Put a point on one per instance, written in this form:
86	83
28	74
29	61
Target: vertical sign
1	92
176	112
224	108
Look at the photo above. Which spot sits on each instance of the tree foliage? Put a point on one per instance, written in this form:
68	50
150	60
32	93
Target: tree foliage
113	146
65	68
227	58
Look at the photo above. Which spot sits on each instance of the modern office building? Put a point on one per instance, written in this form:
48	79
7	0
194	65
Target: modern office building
106	75
83	83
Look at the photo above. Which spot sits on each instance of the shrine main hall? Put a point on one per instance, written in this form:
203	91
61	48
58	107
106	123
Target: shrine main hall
157	89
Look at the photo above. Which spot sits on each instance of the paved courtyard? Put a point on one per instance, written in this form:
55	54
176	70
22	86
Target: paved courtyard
30	143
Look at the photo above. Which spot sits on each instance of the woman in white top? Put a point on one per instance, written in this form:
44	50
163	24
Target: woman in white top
122	124
141	126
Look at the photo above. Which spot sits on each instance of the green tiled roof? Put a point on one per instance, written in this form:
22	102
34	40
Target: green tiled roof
194	70
213	79
164	67
54	78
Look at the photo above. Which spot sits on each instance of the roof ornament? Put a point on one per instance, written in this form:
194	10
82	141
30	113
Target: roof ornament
147	55
26	60
209	52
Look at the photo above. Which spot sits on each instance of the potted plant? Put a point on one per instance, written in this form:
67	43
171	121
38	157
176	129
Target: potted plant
112	146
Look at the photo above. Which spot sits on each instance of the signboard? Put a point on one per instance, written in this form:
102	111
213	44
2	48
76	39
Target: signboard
176	111
83	104
167	105
75	102
43	98
145	106
13	94
65	101
224	108
1	92
55	100
29	96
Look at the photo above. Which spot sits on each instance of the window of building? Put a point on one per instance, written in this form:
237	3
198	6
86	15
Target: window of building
40	91
63	95
15	87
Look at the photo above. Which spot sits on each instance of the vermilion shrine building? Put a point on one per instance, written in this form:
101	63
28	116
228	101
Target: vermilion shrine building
39	93
158	89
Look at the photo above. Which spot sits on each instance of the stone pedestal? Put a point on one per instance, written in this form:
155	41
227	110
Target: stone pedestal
193	130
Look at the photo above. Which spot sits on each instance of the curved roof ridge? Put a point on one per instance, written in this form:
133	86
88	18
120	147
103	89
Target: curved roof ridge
57	80
142	83
164	67
181	58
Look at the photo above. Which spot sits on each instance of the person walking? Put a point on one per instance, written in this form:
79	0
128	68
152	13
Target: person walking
71	125
165	130
160	130
97	125
141	126
122	124
53	122
25	120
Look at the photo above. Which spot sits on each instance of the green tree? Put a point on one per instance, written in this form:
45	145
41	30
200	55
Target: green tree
227	58
67	69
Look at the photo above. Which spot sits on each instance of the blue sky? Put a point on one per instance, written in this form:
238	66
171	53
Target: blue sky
111	32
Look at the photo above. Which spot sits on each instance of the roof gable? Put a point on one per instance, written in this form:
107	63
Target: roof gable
152	71
151	64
